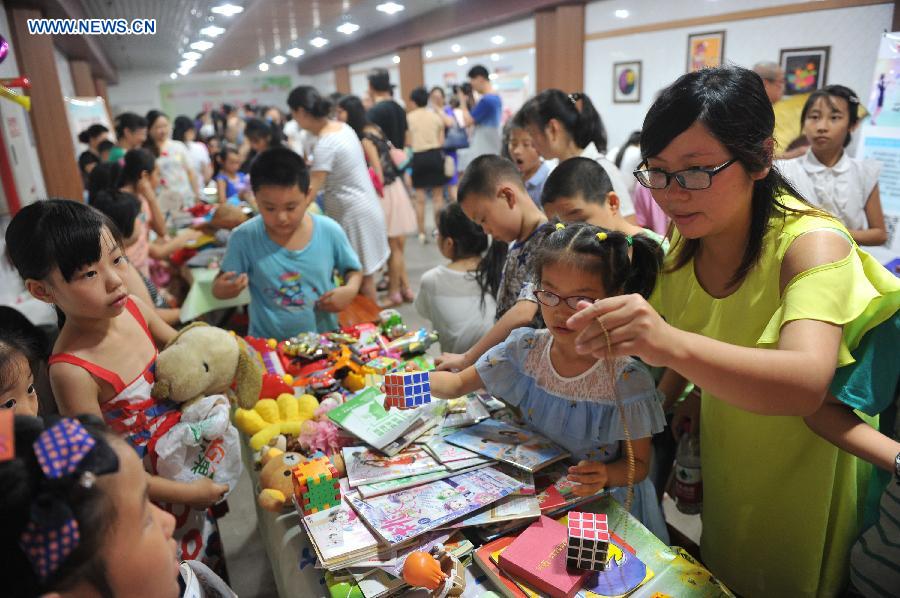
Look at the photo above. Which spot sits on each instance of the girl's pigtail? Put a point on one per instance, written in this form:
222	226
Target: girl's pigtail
490	268
646	262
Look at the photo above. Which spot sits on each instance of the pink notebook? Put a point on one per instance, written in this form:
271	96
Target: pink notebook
538	557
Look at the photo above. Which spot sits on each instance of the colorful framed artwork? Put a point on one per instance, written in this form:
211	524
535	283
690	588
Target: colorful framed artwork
805	69
705	50
627	82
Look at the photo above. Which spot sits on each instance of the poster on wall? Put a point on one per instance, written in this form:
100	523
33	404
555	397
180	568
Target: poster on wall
189	97
705	50
880	140
627	82
805	69
513	91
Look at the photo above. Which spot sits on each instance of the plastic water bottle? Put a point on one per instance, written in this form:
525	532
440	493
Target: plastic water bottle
688	478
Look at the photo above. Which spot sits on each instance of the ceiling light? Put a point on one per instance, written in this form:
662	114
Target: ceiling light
202	45
493	76
495	57
188	64
348	28
212	31
236	72
428	53
497	40
263	66
229	10
318	41
296	52
395	59
390	7
462	61
173	75
192	55
279	59
183	71
455	48
622	13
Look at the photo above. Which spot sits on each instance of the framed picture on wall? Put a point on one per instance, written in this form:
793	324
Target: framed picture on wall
805	69
705	50
627	82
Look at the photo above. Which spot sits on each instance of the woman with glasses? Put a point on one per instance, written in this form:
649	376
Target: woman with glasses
762	299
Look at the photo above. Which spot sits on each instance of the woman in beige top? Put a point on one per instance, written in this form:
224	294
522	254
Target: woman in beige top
426	137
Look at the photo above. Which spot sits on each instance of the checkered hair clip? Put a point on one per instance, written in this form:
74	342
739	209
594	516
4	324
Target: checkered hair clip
67	454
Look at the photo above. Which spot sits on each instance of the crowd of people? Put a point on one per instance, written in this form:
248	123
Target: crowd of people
699	252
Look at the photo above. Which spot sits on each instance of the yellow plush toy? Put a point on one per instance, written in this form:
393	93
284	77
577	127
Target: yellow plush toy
271	417
275	479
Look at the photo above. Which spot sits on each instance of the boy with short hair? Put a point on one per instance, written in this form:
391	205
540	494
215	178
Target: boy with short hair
527	159
287	256
492	195
579	190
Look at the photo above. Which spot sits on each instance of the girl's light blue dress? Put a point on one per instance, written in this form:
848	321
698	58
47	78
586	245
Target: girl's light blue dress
579	413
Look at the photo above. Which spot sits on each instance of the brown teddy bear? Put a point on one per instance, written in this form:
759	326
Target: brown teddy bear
203	360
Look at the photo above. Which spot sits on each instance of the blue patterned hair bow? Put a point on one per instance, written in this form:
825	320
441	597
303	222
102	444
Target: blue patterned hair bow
52	532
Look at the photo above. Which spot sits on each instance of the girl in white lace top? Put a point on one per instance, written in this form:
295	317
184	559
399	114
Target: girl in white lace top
569	397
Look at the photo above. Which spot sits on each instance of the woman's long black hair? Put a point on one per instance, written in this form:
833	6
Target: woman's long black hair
731	103
574	111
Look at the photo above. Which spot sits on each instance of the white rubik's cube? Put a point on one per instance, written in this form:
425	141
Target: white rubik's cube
407	390
588	541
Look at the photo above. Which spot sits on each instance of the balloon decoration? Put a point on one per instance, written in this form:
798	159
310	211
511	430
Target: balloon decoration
5	84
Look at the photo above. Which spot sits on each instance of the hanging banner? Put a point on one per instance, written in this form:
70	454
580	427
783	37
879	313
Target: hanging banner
880	140
190	97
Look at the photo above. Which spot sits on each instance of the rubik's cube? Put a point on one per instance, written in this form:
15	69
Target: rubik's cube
407	390
588	541
316	485
382	365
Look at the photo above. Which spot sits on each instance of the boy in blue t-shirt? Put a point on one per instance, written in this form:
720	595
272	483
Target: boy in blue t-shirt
287	256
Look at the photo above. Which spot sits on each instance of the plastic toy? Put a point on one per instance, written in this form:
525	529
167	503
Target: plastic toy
391	323
588	541
271	417
321	434
382	365
438	571
275	380
407	390
316	485
413	343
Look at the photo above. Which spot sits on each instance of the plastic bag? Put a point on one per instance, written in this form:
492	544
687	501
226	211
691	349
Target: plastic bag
202	444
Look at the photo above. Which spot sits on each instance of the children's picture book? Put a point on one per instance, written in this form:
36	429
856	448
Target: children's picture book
366	466
445	452
510	444
399	516
464	464
365	417
506	509
337	535
465	411
388	486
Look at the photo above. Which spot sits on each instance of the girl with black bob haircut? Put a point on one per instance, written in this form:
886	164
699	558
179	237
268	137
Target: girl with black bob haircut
771	309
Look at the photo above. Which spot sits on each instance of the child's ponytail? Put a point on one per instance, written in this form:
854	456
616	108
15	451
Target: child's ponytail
574	111
470	240
646	262
588	125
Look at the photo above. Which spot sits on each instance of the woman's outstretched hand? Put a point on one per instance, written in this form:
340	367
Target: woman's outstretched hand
633	326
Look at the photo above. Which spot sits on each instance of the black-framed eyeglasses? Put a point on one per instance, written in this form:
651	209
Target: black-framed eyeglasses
692	178
551	299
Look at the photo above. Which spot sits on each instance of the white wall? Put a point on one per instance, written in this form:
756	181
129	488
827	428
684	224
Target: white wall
852	33
359	82
442	68
323	82
65	74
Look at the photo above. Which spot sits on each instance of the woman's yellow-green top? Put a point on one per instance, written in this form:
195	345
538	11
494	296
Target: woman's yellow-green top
779	502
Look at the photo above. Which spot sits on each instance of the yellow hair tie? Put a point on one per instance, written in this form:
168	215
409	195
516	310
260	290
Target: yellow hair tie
560	226
602	236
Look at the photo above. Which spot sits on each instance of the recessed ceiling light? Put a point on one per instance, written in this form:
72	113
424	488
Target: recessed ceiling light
236	72
428	53
395	59
183	71
462	61
390	7
318	41
493	76
497	40
202	45
173	75
192	55
495	57
188	64
212	31
622	13
229	10
348	28
263	66
296	52
279	59
455	48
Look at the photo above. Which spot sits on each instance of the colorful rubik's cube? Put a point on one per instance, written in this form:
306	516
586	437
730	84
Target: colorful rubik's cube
588	541
382	365
316	485
407	390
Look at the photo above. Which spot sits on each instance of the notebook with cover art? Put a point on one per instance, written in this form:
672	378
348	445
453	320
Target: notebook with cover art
510	444
367	466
